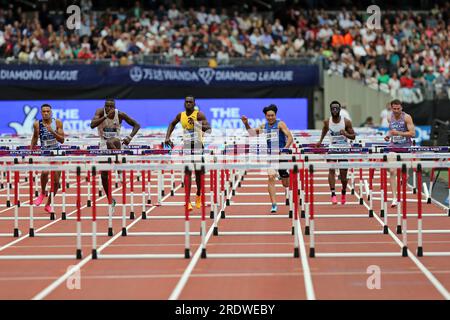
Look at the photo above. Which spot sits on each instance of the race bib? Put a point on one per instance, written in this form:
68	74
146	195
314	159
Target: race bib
109	133
340	139
399	139
50	143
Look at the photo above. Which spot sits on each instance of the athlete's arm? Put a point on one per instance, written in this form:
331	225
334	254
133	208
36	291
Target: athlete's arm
283	127
411	133
348	131
251	131
324	132
59	133
136	126
34	138
99	117
388	137
170	129
206	127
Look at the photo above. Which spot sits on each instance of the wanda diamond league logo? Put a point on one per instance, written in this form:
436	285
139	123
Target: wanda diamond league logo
207	74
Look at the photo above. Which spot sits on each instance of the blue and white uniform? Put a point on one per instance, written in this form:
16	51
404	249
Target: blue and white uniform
274	135
48	140
276	141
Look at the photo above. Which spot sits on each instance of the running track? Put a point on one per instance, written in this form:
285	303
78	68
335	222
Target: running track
226	278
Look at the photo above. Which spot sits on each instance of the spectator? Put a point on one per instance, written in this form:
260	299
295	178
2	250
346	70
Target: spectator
409	42
173	12
385	115
85	53
51	56
368	123
383	80
222	55
394	85
344	113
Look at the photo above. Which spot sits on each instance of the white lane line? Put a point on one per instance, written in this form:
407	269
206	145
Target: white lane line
187	272
48	225
309	287
434	281
49	289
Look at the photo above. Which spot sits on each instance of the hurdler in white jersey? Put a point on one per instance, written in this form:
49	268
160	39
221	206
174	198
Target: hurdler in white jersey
340	131
337	139
108	121
109	129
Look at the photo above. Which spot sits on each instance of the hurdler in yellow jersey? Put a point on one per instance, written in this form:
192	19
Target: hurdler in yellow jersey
194	124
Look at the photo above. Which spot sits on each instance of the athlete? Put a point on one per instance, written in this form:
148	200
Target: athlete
194	125
400	134
51	134
275	130
108	121
340	130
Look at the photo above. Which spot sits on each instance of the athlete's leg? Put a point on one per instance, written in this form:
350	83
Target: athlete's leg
344	180
198	181
189	173
332	183
105	184
56	178
332	180
44	180
272	178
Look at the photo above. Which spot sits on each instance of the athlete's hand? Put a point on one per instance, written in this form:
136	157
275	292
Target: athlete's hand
126	141
244	120
318	144
111	113
49	128
169	143
387	138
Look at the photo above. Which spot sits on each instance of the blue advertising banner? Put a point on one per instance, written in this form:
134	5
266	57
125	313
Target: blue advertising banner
78	75
18	116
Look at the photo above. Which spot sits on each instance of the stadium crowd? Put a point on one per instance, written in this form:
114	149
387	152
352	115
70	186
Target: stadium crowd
408	57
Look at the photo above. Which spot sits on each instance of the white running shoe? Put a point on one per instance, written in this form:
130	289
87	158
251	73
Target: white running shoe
394	203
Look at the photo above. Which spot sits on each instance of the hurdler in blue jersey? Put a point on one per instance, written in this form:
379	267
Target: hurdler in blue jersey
279	138
51	134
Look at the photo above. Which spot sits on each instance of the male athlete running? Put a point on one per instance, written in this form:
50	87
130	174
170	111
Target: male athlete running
340	130
401	130
276	130
108	121
50	131
194	125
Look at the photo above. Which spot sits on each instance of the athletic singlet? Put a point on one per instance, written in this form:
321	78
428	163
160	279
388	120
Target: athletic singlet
189	133
334	131
399	125
48	140
109	128
273	133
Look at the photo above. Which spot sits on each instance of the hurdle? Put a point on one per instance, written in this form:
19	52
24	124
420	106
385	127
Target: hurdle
313	233
186	233
295	232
